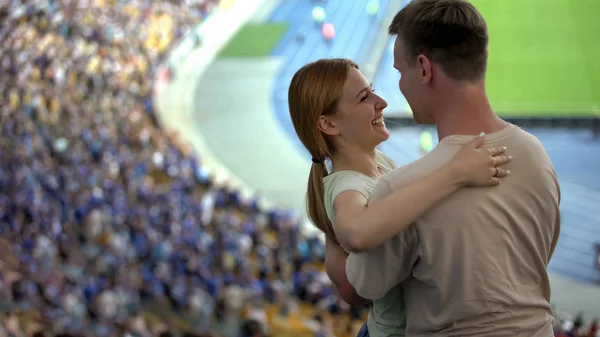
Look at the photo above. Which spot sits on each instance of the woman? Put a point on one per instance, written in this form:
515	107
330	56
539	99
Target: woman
337	117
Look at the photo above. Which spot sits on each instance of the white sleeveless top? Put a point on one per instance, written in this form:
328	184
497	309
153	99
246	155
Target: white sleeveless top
387	316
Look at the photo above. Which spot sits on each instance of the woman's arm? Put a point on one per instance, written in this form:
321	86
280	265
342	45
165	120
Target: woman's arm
335	266
359	228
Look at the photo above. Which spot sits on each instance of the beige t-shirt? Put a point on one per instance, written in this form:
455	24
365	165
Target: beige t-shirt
387	316
475	264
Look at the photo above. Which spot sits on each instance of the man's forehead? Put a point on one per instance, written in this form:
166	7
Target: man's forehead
398	51
398	44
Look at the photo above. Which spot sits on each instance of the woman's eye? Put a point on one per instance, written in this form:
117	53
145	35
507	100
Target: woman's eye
366	95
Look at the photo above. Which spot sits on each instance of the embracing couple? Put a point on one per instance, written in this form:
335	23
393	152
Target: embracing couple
456	243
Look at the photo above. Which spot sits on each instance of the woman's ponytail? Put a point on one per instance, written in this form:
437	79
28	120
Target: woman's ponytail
315	201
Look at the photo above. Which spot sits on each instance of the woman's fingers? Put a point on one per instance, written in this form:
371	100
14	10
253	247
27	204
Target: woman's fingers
495	181
477	142
501	172
501	160
494	151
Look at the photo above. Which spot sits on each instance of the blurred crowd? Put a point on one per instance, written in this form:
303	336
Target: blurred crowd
568	326
110	226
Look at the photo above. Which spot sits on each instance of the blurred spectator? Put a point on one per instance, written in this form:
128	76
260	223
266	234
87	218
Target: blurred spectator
593	330
251	328
578	322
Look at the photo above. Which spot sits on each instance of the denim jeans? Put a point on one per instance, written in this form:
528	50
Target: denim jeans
364	331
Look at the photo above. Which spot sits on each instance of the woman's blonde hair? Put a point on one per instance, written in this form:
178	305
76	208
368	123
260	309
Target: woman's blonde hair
316	90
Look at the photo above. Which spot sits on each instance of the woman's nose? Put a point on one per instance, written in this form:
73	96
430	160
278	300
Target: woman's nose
381	103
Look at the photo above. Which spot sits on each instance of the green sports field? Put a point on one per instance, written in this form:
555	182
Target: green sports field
544	56
254	40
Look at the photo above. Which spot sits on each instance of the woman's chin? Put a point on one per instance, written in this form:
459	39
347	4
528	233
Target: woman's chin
383	133
382	137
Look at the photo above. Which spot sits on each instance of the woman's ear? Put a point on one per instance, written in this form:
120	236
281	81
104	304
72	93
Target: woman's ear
328	126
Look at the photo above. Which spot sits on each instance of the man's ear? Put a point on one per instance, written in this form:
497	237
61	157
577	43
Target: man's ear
328	126
425	68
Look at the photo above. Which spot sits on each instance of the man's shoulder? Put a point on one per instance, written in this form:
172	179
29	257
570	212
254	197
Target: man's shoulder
523	144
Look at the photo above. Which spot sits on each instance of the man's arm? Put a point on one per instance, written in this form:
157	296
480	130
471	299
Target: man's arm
558	220
374	273
555	236
335	266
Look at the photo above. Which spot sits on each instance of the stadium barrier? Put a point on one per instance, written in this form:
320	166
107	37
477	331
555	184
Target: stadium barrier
591	123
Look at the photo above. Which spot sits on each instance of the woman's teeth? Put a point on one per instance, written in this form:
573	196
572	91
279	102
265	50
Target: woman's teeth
378	121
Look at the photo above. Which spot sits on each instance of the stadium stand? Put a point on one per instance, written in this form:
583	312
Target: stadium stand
110	225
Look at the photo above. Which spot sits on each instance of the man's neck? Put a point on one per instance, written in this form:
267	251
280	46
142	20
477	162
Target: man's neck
467	112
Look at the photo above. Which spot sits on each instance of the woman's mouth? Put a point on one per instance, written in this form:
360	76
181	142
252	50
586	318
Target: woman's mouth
378	121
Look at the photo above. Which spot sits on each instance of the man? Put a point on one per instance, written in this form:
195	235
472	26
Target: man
474	265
